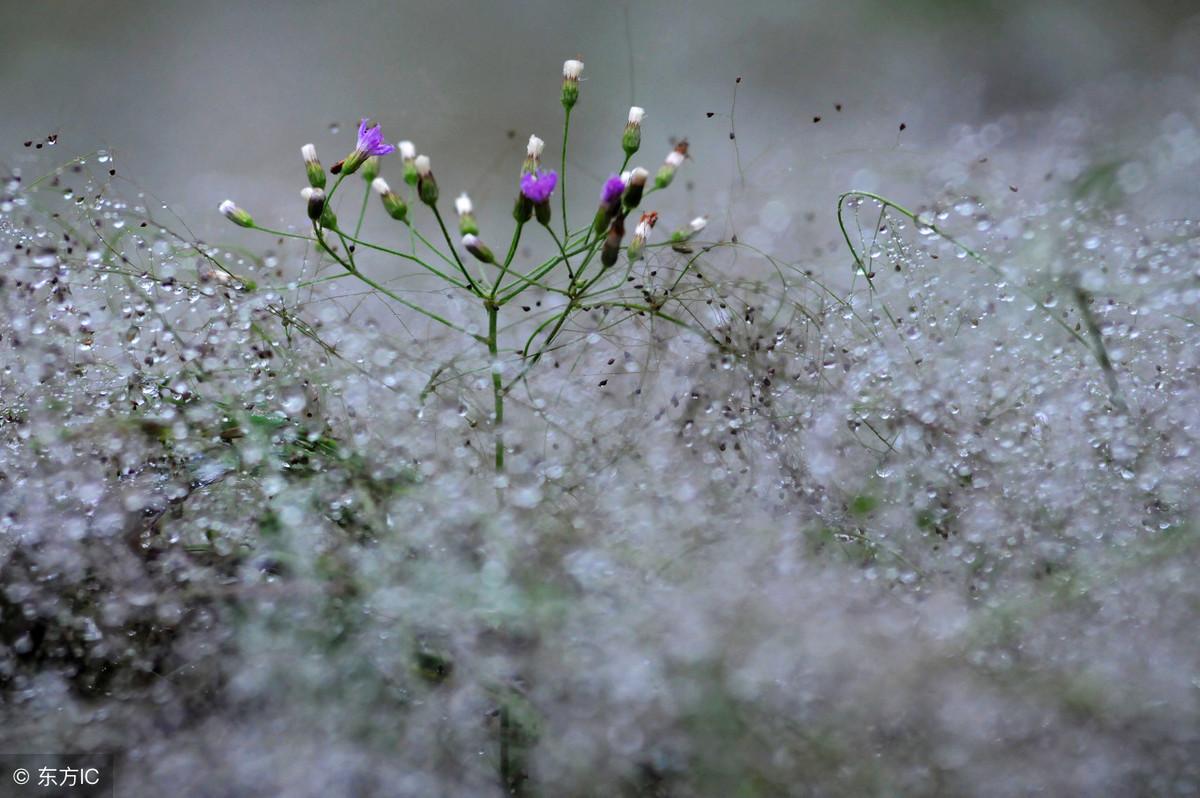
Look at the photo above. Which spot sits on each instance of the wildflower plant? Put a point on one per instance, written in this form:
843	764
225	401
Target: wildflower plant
580	271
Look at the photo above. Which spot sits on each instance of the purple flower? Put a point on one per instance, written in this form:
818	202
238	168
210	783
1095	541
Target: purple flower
370	140
370	144
613	189
538	186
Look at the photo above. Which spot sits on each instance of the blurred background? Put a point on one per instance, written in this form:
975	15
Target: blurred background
203	100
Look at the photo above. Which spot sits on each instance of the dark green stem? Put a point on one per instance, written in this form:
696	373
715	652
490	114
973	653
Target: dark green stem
563	167
497	385
446	234
512	251
362	212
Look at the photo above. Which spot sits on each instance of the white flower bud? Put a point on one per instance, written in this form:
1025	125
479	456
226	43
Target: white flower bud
408	150
535	147
636	115
424	169
472	244
638	176
640	233
392	203
309	153
235	214
572	69
689	231
675	158
463	204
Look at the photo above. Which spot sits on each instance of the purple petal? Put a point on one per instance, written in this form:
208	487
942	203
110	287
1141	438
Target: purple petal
613	188
370	140
538	186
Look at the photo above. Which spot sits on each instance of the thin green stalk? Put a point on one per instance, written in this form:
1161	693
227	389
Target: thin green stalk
528	283
412	231
532	277
588	259
497	386
562	251
352	269
332	191
563	170
416	235
446	234
281	233
406	256
512	251
557	321
362	212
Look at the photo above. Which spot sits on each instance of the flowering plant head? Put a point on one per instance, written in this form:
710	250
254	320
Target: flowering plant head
370	140
427	187
237	215
370	144
572	69
392	203
631	139
645	225
613	188
538	186
675	159
312	166
640	234
635	186
466	215
534	148
533	155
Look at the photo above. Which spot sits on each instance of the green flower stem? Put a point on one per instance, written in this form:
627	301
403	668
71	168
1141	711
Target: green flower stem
349	267
493	311
497	386
349	249
445	234
512	251
562	252
281	233
412	231
563	169
656	312
532	277
573	302
591	253
528	283
428	267
416	236
558	321
329	194
362	212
